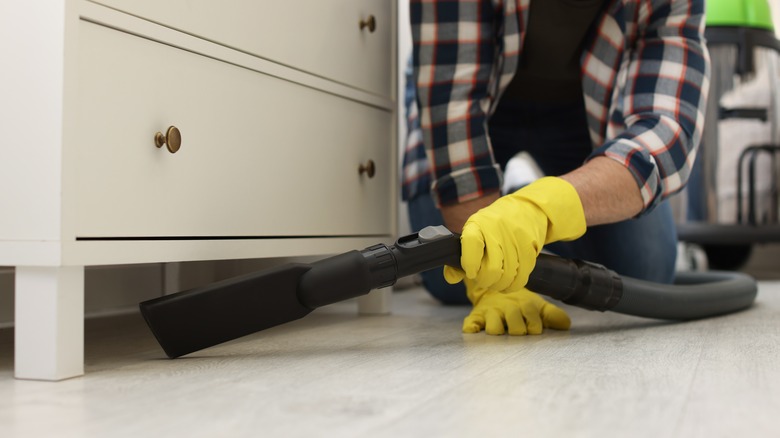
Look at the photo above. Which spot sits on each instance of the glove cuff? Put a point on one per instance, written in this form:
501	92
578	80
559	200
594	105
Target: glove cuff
473	292
559	201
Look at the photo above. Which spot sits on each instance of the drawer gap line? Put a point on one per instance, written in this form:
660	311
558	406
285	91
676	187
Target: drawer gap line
282	237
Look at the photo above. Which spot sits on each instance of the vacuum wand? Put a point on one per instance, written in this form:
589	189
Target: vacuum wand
355	273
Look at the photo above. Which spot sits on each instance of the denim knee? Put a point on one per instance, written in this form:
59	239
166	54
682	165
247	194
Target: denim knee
437	286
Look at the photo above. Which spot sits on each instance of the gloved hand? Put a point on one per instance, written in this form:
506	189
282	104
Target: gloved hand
500	243
521	312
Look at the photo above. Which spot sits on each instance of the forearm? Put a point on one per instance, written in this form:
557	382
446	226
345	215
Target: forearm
607	190
455	215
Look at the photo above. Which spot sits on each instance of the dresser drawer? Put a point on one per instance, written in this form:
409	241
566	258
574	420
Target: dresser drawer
323	37
259	156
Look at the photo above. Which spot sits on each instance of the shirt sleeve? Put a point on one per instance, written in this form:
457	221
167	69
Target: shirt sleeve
664	101
455	46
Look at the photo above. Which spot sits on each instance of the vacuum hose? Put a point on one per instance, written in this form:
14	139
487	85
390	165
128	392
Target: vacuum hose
694	295
576	282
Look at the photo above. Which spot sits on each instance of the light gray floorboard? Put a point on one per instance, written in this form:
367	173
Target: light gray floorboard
413	373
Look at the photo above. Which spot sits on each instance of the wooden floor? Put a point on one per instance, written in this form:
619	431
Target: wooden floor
414	374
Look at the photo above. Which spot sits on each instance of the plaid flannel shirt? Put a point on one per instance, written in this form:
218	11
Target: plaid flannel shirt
645	77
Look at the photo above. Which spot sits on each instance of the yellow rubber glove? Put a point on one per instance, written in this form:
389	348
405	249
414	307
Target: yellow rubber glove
521	312
500	243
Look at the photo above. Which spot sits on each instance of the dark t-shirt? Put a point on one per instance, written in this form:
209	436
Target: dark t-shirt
549	66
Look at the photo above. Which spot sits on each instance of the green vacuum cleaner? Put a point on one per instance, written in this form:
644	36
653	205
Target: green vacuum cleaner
728	209
192	320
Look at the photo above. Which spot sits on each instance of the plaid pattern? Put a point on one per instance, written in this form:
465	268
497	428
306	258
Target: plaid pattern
416	174
645	81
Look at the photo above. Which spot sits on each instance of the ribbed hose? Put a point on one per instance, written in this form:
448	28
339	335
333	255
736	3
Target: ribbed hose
694	295
594	287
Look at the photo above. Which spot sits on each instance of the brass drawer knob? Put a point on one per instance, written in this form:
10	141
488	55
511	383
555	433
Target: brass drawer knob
171	138
369	169
369	23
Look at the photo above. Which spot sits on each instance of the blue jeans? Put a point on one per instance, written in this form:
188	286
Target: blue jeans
556	136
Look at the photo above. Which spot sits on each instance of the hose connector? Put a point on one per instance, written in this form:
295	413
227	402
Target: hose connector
381	265
576	282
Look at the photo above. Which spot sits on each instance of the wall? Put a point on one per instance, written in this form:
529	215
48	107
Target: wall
107	289
6	295
404	51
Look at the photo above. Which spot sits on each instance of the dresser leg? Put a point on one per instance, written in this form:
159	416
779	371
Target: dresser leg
49	322
376	302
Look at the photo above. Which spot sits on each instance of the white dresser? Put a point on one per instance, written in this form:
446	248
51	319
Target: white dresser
178	130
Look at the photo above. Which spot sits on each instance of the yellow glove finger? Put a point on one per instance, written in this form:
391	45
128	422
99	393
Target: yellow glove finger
522	273
516	323
554	317
492	267
472	245
533	320
509	272
453	275
474	323
494	322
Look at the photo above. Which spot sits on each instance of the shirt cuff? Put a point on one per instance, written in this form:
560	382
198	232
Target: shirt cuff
642	166
466	184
